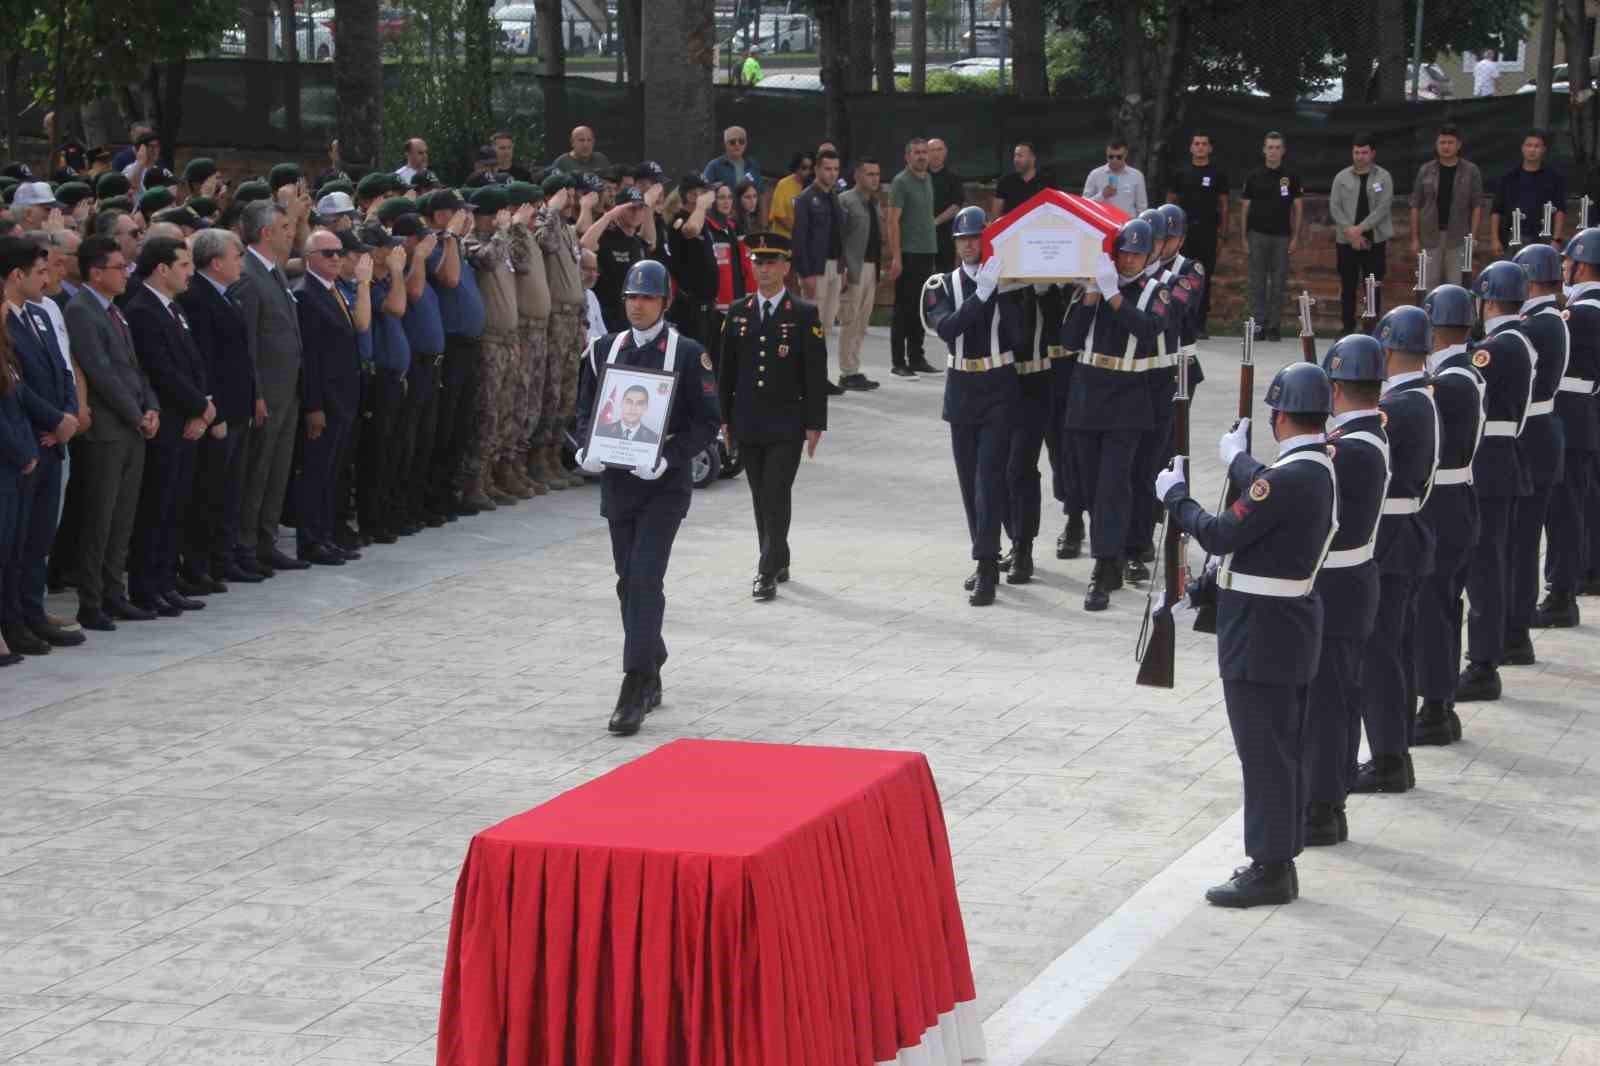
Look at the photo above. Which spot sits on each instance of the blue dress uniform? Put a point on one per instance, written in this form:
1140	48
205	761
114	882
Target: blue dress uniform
1543	448
1155	444
1036	385
1567	528
1053	306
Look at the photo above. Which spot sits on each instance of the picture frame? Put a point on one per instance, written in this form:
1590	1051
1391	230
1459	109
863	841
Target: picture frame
629	423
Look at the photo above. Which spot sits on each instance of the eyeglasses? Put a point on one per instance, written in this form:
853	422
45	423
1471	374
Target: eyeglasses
1116	155
735	140
329	253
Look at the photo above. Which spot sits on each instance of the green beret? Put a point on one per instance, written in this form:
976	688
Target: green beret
70	193
156	200
394	207
283	174
116	203
250	191
343	185
198	170
204	206
555	182
524	192
375	185
490	200
111	184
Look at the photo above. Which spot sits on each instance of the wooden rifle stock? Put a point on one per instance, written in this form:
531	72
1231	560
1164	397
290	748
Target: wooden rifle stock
1157	666
1205	615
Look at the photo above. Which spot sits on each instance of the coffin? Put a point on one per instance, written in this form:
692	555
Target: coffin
1056	236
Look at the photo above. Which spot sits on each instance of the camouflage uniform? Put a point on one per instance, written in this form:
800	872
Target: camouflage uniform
536	390
490	256
567	331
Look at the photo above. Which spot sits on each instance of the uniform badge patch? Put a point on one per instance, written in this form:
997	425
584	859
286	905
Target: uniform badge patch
1259	489
1166	297
705	360
1480	358
816	331
783	351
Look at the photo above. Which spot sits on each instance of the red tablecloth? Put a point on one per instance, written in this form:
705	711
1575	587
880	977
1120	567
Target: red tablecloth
716	904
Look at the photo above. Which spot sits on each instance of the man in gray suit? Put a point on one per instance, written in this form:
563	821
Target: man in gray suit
274	341
109	457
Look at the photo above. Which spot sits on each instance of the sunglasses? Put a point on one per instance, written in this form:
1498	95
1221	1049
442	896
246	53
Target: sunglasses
329	253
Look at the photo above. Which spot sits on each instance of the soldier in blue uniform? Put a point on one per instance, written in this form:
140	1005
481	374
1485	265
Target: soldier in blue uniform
1566	526
1505	359
982	402
1347	583
1115	328
1543	441
1451	514
1404	551
1188	284
1036	386
774	398
1272	542
1162	381
1054	304
644	507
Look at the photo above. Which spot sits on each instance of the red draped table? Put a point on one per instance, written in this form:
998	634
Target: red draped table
716	904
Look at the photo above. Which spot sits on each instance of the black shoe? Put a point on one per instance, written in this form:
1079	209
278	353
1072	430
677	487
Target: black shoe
1478	682
383	536
857	383
407	528
1100	584
1070	544
1558	611
365	539
55	636
23	641
1385	773
652	693
971	582
1411	771
461	508
984	582
248	562
1202	335
1519	652
346	538
922	366
279	561
157	606
1437	725
182	602
96	619
192	586
235	572
835	390
782	575
631	706
123	611
433	520
1260	883
1322	825
1021	571
902	372
321	555
350	554
1136	572
763	588
1005	562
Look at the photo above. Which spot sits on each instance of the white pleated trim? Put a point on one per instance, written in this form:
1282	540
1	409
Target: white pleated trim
955	1038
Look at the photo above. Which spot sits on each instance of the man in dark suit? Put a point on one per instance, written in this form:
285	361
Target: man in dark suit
630	426
217	324
50	400
166	348
108	457
330	394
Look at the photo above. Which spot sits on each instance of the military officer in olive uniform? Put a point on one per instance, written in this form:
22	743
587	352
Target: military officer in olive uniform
774	398
1568	533
1273	541
644	506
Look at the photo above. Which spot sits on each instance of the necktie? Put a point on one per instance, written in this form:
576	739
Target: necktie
122	323
177	315
339	299
27	320
766	311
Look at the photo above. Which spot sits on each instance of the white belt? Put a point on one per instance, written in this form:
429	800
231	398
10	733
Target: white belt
1033	366
973	366
1541	407
1577	385
1500	429
1402	505
1286	587
1453	475
1338	560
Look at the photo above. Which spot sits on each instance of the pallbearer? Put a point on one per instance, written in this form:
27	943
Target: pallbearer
1162	379
1569	532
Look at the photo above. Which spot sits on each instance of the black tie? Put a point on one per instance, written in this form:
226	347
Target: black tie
27	320
766	311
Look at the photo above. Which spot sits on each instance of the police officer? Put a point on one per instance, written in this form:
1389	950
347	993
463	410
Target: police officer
982	401
1347	583
1567	531
1269	617
1543	441
1499	472
774	398
1404	550
1162	382
1451	513
1115	327
644	506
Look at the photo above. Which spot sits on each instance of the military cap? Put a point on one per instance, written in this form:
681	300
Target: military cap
490	200
768	245
350	242
182	216
250	191
109	185
408	226
283	174
374	235
204	206
72	193
343	185
442	200
375	185
158	177
426	179
199	169
8	189
630	195
116	203
523	192
554	182
17	171
395	207
155	200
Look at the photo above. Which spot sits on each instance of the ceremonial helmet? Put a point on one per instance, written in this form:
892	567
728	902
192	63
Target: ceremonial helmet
1158	223
1585	247
1450	305
647	278
1408	329
1541	263
1301	389
1177	220
1356	357
1135	235
969	222
1501	282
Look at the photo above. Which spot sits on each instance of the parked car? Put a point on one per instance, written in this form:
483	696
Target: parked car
579	33
1560	78
777	33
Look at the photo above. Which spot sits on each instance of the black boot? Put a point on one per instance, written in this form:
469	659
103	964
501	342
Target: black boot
1478	682
764	588
1519	650
1005	560
1260	883
1437	725
1136	572
1558	611
1322	825
971	582
631	706
1021	563
1385	773
987	577
1107	576
1070	544
652	692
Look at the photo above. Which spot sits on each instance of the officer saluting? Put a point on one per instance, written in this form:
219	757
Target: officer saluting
982	401
1569	533
644	507
1269	617
774	393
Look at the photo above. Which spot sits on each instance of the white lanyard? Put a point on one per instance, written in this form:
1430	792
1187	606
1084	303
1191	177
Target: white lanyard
1287	587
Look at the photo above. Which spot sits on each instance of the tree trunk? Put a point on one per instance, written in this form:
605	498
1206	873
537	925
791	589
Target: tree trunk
1130	117
919	46
1577	41
632	18
13	78
831	35
858	45
1361	46
1027	47
258	29
288	44
478	73
883	44
1391	51
552	49
1171	79
679	109
1549	15
358	81
972	25
170	119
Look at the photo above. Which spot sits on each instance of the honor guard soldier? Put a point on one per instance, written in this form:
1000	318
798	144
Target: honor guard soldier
644	507
1053	303
983	330
1451	514
774	398
1035	424
1505	359
1162	381
1542	444
1404	551
1347	583
1115	327
1269	617
1569	535
1188	286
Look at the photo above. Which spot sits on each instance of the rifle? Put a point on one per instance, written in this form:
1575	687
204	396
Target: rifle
1369	313
1549	220
1158	637
1308	338
1583	212
1421	287
1516	228
1205	612
1466	258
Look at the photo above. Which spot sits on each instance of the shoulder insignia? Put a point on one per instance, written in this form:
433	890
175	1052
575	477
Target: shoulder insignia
1259	489
816	331
1480	358
705	360
1166	297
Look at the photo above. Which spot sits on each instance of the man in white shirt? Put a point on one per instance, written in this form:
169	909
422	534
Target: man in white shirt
416	150
589	267
1117	183
1485	73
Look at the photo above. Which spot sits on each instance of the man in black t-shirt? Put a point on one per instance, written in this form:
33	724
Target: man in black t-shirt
619	238
949	196
1270	221
1022	184
1201	189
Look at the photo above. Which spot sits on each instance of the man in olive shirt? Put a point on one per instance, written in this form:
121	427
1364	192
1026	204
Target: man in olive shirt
949	195
913	248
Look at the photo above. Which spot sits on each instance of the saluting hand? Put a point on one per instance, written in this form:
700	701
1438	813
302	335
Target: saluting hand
364	268
396	260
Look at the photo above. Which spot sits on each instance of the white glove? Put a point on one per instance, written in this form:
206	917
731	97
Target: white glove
1234	442
1172	475
595	467
988	277
645	473
1105	276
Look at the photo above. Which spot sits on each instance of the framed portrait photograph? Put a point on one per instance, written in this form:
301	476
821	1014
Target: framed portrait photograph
630	417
